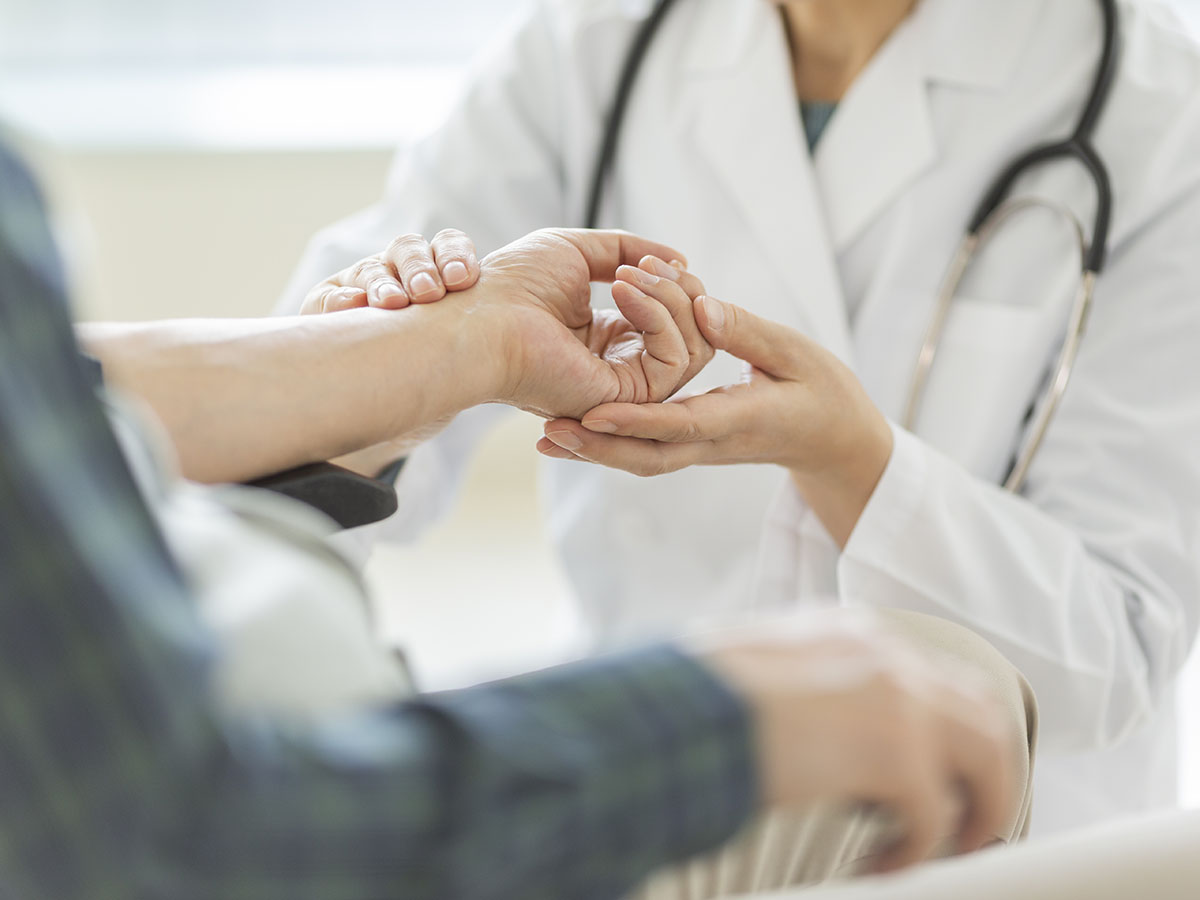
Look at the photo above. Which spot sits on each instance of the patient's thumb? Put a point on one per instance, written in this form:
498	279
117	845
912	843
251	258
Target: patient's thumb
760	342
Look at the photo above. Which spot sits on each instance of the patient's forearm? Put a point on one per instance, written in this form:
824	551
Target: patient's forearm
243	398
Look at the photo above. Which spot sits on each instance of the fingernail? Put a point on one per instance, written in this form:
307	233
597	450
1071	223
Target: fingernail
456	273
566	440
661	268
715	311
389	292
642	277
603	426
423	284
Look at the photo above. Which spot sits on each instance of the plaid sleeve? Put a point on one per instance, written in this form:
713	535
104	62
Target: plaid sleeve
120	779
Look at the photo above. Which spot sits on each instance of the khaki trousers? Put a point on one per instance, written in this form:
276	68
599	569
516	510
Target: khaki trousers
794	850
1155	858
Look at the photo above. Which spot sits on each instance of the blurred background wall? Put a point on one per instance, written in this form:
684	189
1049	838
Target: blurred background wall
193	148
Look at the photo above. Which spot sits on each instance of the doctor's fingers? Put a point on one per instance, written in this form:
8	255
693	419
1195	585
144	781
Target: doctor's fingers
411	257
566	439
455	257
774	348
332	296
718	415
665	358
646	459
369	282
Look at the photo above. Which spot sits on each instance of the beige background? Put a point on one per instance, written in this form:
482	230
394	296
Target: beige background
164	234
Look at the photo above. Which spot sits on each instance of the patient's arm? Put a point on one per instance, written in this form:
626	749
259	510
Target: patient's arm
242	398
247	397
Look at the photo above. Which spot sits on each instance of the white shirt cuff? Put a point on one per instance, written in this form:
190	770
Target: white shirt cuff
894	504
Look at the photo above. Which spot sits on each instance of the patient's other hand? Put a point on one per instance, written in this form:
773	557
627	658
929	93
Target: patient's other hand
848	714
411	270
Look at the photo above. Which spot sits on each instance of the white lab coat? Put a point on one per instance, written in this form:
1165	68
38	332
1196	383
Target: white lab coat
1089	581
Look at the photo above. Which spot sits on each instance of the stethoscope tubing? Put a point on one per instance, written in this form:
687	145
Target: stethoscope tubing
993	208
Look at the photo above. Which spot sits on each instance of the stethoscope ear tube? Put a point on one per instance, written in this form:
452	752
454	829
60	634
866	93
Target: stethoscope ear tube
606	158
993	209
1080	150
1063	368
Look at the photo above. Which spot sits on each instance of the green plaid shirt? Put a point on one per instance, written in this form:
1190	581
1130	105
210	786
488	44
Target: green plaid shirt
120	777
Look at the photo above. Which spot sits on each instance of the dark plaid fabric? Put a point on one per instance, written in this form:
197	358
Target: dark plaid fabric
119	778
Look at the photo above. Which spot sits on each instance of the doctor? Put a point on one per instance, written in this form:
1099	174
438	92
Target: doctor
819	169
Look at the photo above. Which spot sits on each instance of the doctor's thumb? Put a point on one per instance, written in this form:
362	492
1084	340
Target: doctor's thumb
764	344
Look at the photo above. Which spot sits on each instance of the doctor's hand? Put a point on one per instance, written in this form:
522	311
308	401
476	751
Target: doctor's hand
410	270
848	714
801	408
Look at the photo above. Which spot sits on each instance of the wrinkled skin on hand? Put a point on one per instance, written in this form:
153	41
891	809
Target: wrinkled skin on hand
528	322
561	357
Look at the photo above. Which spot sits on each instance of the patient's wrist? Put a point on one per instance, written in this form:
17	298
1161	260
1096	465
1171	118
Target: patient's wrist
458	370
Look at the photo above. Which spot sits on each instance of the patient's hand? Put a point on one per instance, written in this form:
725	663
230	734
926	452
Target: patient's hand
525	334
848	714
560	355
411	270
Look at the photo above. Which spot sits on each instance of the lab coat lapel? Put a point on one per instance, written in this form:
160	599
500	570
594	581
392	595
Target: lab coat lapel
882	137
747	125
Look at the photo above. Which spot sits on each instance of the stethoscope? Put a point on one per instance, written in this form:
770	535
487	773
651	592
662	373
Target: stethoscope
994	210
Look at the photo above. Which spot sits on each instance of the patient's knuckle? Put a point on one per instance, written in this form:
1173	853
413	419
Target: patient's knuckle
406	247
314	300
364	271
408	242
451	236
379	277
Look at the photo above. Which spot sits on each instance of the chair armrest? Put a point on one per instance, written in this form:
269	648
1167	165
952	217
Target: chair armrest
348	498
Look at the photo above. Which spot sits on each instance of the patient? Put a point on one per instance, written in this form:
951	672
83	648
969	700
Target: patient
127	772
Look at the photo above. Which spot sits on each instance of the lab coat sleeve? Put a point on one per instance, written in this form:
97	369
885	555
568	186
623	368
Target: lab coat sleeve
1089	580
494	169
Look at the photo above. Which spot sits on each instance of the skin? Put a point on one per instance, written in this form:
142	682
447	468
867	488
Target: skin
847	711
410	270
801	408
841	712
833	40
243	398
379	282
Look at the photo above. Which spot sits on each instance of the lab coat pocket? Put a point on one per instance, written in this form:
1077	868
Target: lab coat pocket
992	360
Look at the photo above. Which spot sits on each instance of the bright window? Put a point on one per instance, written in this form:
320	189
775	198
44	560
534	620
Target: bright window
234	74
241	32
